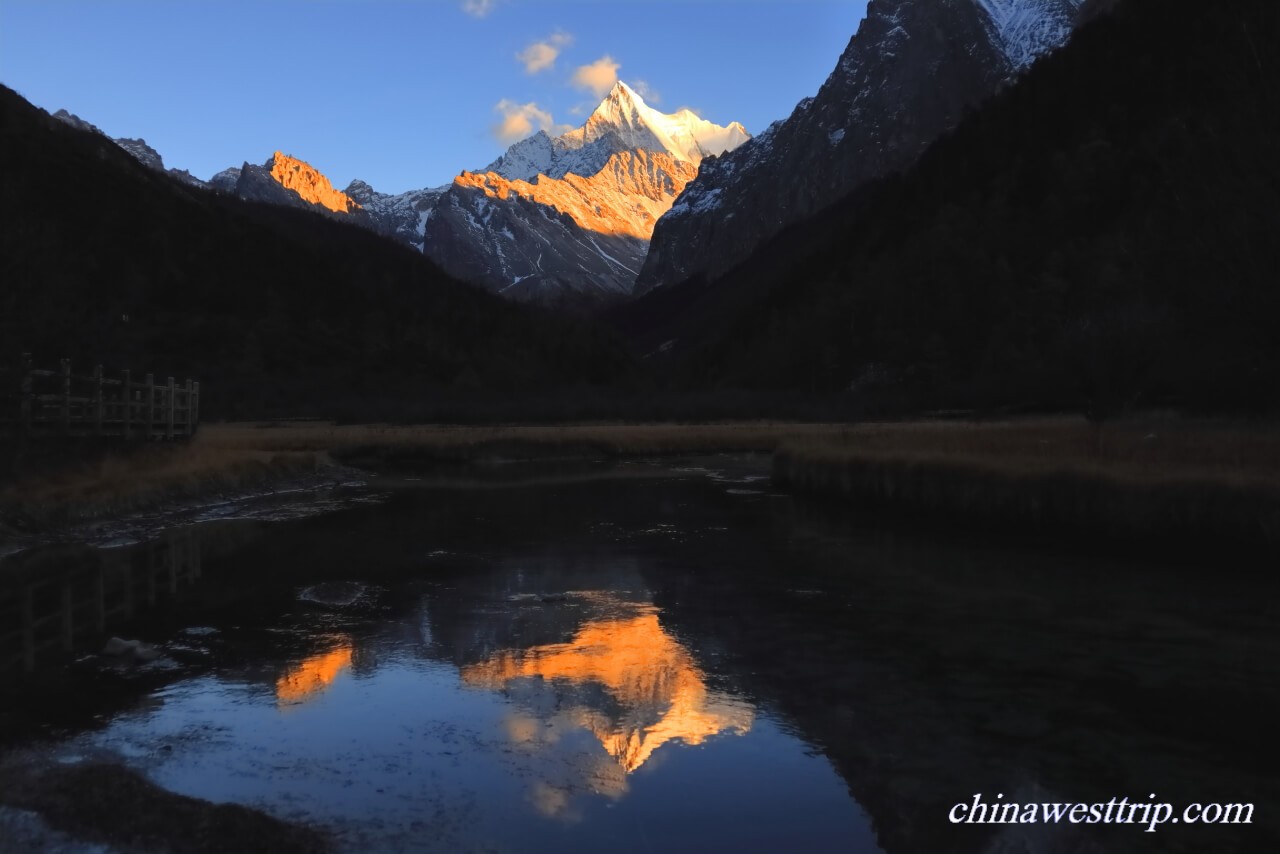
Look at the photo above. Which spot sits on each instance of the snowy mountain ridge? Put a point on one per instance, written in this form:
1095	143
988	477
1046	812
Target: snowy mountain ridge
621	122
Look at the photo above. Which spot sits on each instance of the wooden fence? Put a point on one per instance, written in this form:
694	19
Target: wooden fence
60	402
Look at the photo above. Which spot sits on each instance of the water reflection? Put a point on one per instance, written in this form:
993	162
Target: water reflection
652	692
59	601
310	677
564	667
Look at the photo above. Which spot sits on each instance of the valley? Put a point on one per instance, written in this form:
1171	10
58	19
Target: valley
755	427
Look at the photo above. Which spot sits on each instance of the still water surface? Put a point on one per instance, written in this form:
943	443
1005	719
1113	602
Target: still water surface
663	657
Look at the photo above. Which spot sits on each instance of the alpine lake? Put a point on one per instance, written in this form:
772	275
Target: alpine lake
651	655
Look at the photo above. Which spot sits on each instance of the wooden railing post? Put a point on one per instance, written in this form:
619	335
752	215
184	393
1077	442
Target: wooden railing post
195	407
173	408
151	405
127	377
189	427
97	400
66	397
24	403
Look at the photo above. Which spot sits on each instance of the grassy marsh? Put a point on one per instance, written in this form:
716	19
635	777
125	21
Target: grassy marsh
1169	481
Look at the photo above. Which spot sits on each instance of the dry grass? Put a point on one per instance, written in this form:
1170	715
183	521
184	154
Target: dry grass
1150	450
1169	485
114	484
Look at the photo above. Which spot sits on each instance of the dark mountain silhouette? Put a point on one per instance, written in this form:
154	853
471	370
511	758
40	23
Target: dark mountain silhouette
274	309
910	72
1102	234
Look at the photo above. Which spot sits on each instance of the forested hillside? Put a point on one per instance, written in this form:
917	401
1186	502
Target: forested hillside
275	310
1100	235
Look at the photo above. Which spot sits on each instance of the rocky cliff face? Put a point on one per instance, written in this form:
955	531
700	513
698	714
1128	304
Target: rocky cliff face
403	216
573	213
582	235
286	180
908	75
309	184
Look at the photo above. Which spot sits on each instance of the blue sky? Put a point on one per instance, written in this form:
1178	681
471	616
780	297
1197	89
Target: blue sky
404	93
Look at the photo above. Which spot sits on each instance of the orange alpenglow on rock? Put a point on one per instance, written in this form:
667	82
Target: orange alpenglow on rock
309	183
624	198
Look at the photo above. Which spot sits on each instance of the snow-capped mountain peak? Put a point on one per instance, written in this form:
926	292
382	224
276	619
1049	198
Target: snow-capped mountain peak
683	135
621	122
574	213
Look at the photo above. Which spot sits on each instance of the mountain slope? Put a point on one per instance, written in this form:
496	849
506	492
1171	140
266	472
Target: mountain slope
402	216
1101	235
274	309
552	216
573	214
909	73
145	154
553	236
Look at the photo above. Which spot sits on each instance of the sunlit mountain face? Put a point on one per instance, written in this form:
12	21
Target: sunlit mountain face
626	197
309	183
625	679
573	213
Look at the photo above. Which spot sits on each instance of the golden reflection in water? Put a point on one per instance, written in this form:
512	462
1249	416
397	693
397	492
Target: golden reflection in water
312	676
661	691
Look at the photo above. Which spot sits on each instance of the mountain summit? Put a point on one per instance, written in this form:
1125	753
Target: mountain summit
637	126
621	122
573	213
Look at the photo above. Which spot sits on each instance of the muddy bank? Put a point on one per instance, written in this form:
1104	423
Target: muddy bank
108	804
1165	511
113	488
418	458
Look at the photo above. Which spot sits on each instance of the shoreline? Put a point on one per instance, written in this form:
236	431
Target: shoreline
1154	482
1112	500
114	488
239	458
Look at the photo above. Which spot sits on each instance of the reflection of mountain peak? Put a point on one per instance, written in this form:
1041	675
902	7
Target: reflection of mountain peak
312	675
655	691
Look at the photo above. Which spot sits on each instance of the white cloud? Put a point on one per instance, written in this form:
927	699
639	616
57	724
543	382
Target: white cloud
522	120
478	8
542	55
644	90
598	77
